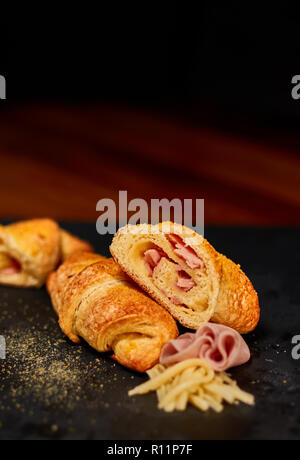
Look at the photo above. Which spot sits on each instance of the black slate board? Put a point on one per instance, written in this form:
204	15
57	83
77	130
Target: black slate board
53	389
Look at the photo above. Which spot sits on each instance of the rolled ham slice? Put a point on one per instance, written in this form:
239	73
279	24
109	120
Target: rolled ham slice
221	346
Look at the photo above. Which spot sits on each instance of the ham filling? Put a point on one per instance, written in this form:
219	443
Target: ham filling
185	252
152	258
8	265
184	282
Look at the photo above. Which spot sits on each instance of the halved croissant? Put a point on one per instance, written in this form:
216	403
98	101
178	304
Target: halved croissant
185	274
95	300
30	250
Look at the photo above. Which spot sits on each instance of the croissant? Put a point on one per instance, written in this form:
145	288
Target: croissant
95	300
186	275
30	250
70	244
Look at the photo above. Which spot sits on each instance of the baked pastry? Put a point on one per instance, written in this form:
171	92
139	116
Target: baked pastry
30	250
95	300
185	274
70	244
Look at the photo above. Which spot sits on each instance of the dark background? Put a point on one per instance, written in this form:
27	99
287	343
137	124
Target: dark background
162	101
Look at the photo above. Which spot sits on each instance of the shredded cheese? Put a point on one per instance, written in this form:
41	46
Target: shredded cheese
192	381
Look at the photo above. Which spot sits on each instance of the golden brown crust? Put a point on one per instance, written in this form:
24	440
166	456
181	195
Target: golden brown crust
226	295
2	231
96	300
58	281
36	246
238	305
70	244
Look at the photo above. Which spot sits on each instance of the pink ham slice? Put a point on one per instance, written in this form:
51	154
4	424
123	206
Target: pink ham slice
12	269
221	346
185	252
184	281
152	258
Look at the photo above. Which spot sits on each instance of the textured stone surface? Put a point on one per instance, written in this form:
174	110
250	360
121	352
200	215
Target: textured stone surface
51	388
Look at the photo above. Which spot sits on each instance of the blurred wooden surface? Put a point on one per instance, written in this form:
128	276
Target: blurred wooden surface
59	161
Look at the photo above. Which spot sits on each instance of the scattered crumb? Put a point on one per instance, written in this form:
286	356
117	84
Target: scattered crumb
36	370
43	370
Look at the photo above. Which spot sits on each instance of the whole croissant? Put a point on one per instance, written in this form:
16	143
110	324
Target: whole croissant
95	300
